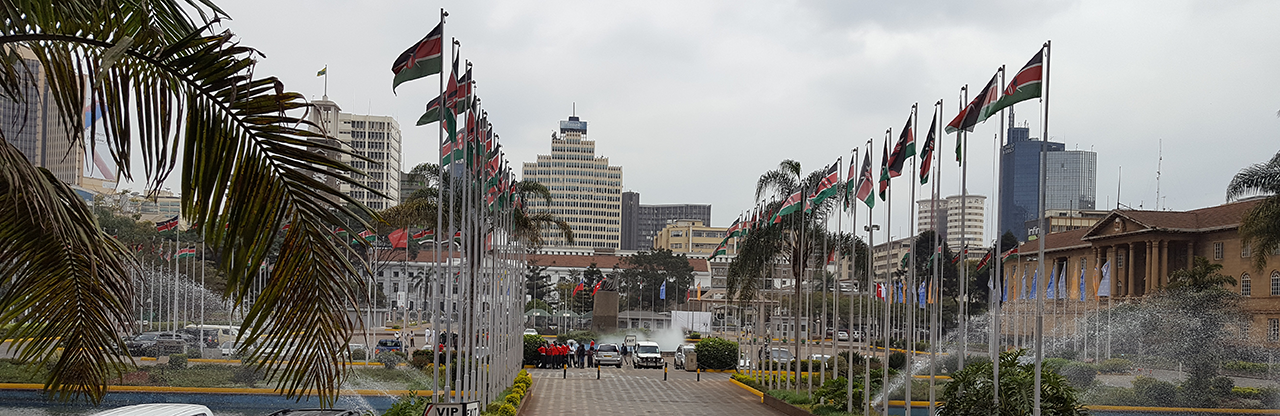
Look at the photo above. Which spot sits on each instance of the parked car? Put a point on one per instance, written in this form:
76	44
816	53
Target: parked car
315	412
608	354
776	355
158	409
819	357
842	335
385	345
155	344
530	331
857	335
647	355
229	348
681	352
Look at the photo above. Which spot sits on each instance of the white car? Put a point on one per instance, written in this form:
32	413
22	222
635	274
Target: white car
647	355
682	352
158	409
530	331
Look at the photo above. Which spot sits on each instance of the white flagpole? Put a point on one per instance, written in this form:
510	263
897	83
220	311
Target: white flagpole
1043	227
911	271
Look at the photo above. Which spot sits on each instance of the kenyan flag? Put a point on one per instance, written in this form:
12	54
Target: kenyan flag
735	229
422	59
982	264
186	253
422	236
368	236
905	148
721	249
1012	254
792	204
1024	86
926	152
827	185
884	171
432	114
866	184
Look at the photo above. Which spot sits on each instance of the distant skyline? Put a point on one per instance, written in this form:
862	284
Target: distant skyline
696	100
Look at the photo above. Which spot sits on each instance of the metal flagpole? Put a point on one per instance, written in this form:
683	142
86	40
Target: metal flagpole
934	329
1044	139
964	232
853	260
888	267
993	313
911	270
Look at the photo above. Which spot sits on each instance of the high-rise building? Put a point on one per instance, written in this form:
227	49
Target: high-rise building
957	226
1070	179
585	190
374	137
693	237
651	219
34	125
630	220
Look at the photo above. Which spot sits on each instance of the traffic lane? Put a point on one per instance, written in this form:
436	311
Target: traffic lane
628	391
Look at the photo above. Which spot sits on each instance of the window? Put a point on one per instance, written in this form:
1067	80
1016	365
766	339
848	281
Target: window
1246	285
677	245
1275	283
1273	330
1217	250
1244	249
1119	260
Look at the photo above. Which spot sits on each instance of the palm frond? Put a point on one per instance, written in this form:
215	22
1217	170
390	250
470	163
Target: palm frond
1259	179
65	280
1260	230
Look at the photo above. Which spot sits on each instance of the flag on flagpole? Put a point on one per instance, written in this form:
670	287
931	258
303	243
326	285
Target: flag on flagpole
792	204
167	225
368	236
399	238
662	291
581	285
826	186
1082	286
596	288
699	291
1035	283
971	114
1049	291
323	71
904	149
1022	291
1104	287
884	171
866	184
421	236
921	296
422	59
1024	85
926	151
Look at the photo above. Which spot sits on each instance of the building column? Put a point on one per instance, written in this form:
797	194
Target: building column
1128	270
1164	263
1149	268
1191	253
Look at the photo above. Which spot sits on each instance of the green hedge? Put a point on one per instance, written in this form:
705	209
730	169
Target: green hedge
717	354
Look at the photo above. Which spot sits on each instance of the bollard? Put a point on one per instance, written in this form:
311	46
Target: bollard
566	371
699	374
664	371
597	371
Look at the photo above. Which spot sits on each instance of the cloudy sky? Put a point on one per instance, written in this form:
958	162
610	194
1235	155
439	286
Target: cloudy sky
696	99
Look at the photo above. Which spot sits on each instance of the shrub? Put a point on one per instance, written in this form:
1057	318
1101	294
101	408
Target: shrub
422	358
389	359
1055	364
1080	375
717	353
1115	366
507	410
408	405
514	399
790	397
193	353
1245	367
897	360
359	355
178	360
695	335
531	344
247	374
1152	392
832	393
583	337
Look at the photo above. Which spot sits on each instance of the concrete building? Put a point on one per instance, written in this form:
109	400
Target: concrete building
887	257
692	237
1071	179
585	190
1140	250
375	137
958	225
1065	220
651	219
631	221
409	185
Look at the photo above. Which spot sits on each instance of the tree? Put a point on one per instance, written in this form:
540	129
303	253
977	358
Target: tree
250	164
644	273
1190	321
970	391
1260	227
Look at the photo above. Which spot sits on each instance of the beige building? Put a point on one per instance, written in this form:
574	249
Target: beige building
585	190
692	237
961	221
375	137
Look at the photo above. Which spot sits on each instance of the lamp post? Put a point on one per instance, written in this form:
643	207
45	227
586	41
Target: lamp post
866	335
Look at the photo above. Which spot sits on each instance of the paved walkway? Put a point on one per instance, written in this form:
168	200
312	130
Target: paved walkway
627	391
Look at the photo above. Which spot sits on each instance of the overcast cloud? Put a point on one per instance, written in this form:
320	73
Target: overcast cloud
696	99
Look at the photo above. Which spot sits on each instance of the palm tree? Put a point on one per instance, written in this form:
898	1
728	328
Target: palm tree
172	89
1260	227
528	226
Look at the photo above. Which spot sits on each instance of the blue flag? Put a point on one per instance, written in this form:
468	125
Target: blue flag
662	291
1035	283
921	296
1049	292
1104	287
1022	293
1004	294
1082	288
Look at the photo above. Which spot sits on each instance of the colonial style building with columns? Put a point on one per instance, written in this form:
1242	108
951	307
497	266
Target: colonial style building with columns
1140	250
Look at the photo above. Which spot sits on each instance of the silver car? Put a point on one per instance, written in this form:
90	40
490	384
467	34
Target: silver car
608	354
681	352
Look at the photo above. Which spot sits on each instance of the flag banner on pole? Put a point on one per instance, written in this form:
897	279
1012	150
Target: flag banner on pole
325	71
904	149
734	229
850	185
1063	291
1004	293
866	183
662	291
970	115
399	238
1049	290
368	236
1022	291
880	293
1024	85
826	186
186	253
596	288
582	284
921	296
884	171
432	114
1104	287
1083	289
168	224
422	59
792	204
983	264
1035	283
926	151
1012	254
422	236
699	291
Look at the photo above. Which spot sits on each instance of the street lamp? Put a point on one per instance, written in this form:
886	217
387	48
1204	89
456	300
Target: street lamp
866	334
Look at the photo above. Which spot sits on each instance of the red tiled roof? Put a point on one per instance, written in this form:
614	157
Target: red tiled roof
1056	241
1199	220
603	262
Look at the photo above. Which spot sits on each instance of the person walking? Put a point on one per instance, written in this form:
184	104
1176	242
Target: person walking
542	356
591	355
411	343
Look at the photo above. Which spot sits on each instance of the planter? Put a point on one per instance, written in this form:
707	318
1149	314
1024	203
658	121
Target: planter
528	396
784	407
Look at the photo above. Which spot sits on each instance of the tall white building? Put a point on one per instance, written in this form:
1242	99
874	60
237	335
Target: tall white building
954	227
585	191
375	137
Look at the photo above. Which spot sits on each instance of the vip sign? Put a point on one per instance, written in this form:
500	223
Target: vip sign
453	409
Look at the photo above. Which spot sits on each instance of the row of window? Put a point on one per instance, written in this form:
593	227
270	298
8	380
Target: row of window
1246	284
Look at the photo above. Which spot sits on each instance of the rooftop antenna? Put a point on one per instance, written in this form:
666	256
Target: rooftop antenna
574	108
1160	152
1119	173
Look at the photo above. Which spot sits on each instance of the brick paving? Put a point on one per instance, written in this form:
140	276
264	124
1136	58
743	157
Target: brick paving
627	391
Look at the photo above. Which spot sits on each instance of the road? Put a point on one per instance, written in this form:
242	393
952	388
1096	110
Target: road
627	391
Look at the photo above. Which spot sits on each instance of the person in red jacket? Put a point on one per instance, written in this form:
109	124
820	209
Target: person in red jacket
542	356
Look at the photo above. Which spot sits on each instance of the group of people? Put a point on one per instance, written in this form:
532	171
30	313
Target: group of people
570	354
